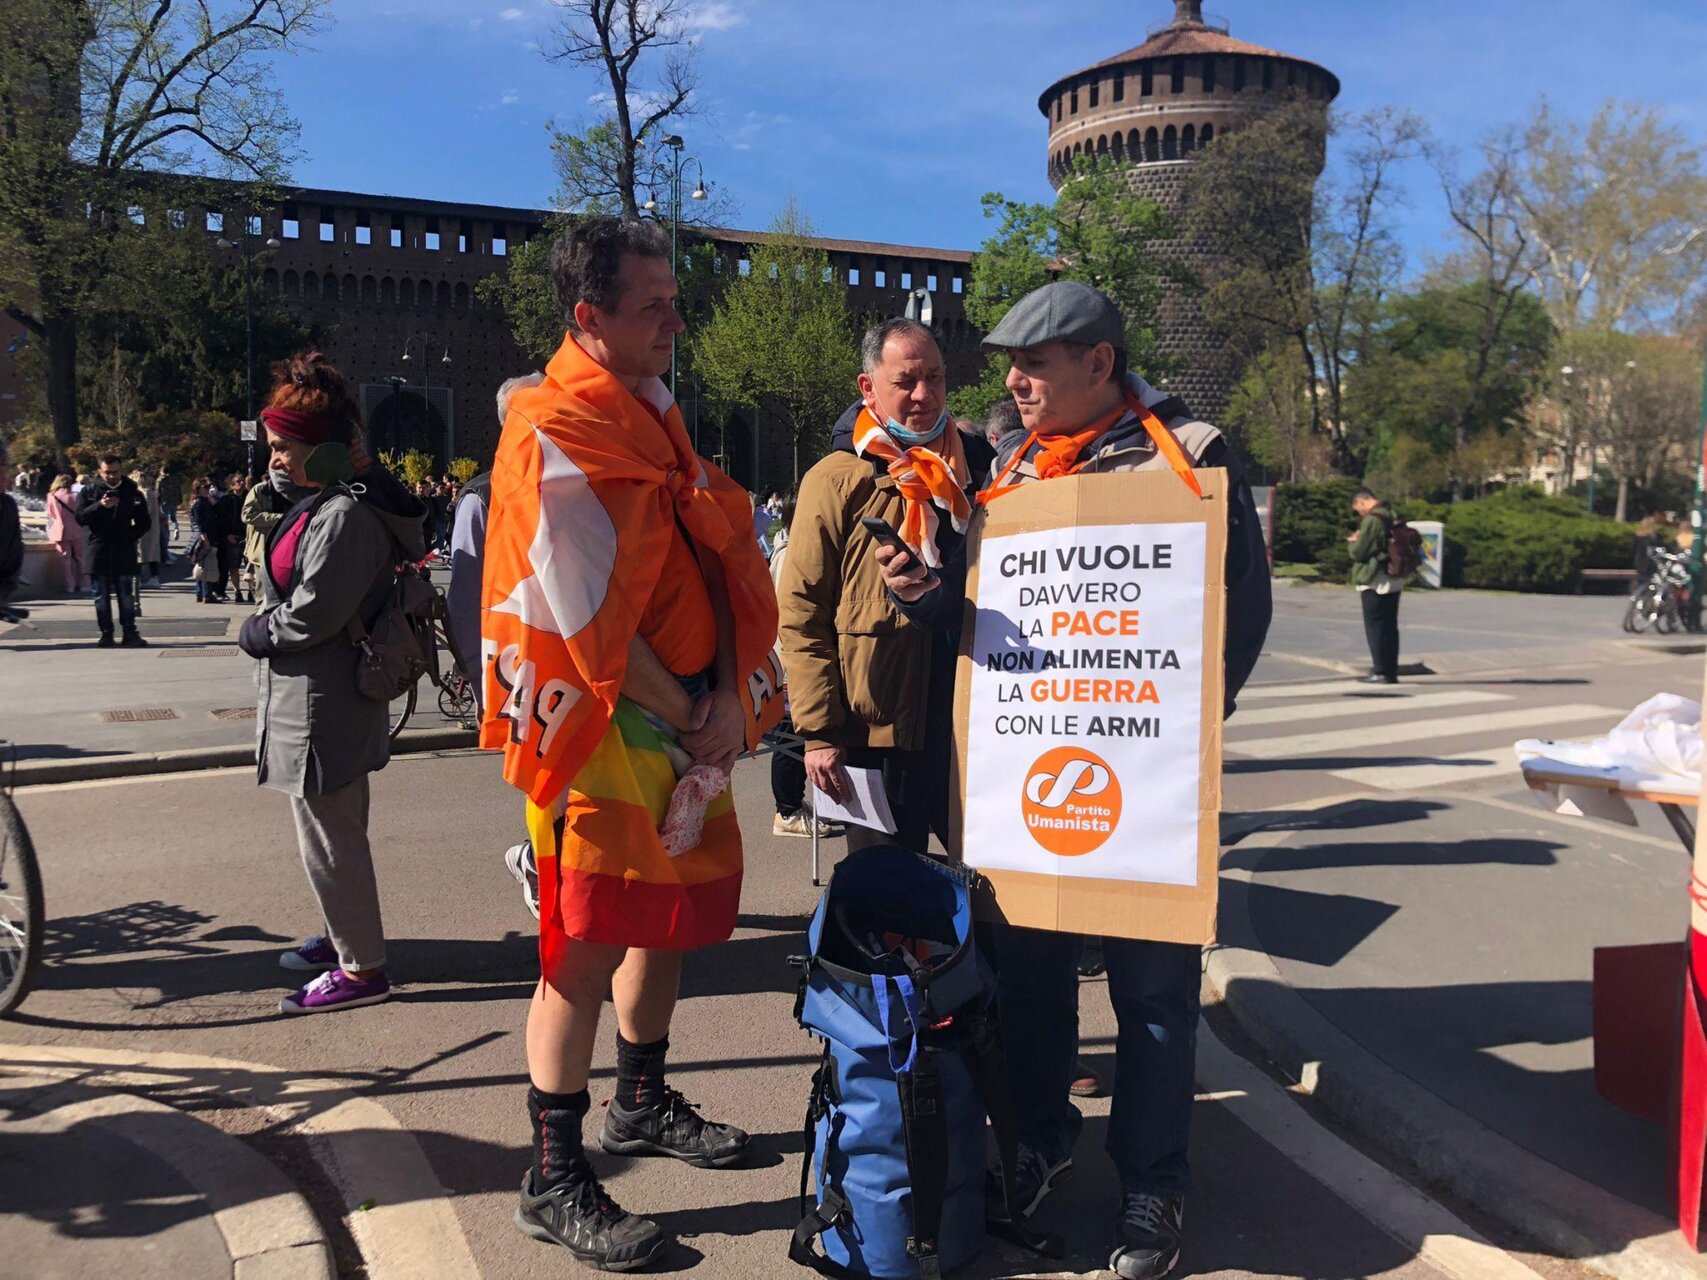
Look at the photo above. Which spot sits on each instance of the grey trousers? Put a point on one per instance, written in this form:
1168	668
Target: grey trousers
332	830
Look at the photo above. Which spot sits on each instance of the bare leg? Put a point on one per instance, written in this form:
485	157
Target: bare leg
563	1020
644	992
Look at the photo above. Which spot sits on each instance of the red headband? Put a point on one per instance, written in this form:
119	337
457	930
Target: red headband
293	424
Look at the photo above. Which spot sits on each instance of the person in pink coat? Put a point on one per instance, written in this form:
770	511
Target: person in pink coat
68	537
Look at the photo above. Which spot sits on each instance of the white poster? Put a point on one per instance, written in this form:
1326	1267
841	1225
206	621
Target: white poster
1086	703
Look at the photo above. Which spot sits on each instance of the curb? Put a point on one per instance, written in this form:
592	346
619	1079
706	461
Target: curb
36	773
396	1210
1450	1149
267	1226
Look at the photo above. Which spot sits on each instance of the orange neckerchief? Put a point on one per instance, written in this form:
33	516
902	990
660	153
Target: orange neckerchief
1061	453
928	478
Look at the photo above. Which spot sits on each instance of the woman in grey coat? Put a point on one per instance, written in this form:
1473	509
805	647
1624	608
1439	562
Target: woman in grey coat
330	561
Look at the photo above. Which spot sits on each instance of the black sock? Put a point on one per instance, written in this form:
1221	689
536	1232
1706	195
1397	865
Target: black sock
640	1072
557	1152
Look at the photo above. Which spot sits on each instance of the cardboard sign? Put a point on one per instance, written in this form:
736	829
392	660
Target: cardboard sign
1088	704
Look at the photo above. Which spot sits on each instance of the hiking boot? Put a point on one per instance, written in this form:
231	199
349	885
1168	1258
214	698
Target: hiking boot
582	1218
1150	1230
671	1128
519	859
133	640
1035	1176
106	641
336	989
315	955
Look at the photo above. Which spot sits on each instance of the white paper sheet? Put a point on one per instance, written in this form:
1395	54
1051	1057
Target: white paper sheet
867	806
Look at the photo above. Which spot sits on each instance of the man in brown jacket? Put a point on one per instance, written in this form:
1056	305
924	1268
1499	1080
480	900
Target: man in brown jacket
867	688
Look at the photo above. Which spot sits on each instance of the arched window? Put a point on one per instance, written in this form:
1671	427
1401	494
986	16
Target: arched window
370	290
1077	148
1118	150
1102	145
329	288
1152	144
462	297
1134	145
292	285
311	286
1206	137
1170	143
388	292
1188	140
406	292
351	290
443	298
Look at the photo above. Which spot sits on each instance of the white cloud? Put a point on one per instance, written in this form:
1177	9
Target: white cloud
511	15
715	16
510	99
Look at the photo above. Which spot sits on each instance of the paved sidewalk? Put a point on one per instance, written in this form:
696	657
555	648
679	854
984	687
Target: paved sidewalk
1426	963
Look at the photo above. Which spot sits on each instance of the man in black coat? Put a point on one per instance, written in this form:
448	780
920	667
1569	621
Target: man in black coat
115	513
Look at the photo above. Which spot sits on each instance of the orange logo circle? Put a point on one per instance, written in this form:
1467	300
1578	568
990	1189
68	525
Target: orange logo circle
1071	803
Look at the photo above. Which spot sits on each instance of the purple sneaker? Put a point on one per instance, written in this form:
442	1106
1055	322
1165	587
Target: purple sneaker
335	989
315	955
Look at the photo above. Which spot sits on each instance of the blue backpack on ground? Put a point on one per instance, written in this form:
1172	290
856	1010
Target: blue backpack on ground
895	986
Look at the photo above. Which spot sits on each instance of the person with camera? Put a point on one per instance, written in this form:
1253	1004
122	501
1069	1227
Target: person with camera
328	568
115	513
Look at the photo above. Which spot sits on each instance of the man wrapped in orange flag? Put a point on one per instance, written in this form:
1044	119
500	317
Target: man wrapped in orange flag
627	625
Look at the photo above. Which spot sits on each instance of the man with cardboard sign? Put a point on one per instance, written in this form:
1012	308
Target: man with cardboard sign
1110	617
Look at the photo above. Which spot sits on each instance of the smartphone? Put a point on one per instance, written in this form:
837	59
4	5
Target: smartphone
885	533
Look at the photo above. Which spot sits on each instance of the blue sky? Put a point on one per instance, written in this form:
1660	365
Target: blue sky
888	120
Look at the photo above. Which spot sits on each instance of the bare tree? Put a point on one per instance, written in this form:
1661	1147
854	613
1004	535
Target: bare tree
94	93
603	165
1617	211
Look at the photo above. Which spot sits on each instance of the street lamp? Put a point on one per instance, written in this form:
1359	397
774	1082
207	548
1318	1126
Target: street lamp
248	245
678	162
426	378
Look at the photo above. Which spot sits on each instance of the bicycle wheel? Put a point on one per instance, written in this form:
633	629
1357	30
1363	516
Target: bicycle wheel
22	918
402	707
456	700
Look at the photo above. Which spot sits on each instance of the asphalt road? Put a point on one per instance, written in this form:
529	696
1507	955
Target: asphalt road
171	896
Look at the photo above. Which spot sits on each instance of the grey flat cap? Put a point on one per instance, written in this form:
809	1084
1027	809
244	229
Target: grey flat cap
1063	311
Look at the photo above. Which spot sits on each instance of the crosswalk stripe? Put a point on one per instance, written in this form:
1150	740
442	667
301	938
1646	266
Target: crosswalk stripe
1314	689
1437	771
1364	705
1382	735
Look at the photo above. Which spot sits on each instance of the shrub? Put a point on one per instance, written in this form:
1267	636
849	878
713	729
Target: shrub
1312	520
462	470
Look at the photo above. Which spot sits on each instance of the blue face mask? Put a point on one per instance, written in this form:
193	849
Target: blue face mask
909	439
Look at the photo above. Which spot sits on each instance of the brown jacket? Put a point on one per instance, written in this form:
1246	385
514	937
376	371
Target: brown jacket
858	672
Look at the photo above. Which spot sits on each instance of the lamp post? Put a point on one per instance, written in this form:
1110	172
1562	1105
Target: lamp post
248	245
678	162
426	377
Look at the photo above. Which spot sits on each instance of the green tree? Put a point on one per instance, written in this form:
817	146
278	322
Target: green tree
524	293
94	92
782	336
1098	232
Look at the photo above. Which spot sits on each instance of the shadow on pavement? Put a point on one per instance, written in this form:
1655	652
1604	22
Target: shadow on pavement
1420	853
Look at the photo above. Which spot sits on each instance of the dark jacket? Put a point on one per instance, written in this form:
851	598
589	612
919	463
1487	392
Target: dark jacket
1126	446
113	531
230	508
204	518
860	675
11	547
1369	551
171	491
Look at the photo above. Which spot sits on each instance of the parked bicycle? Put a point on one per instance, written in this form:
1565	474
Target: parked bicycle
1663	602
22	918
456	692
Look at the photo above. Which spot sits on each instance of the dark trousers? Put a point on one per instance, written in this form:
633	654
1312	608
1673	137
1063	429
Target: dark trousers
916	785
1154	989
788	779
1381	629
108	585
229	557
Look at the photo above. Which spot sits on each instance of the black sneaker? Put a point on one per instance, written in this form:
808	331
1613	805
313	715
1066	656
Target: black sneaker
587	1222
1035	1176
106	641
132	640
671	1128
1150	1231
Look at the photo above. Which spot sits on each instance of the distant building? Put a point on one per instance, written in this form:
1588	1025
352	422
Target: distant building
1155	108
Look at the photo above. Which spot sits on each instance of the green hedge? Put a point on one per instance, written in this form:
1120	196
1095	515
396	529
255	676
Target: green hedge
1519	539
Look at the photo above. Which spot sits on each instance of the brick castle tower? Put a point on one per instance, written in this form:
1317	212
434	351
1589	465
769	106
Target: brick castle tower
1155	108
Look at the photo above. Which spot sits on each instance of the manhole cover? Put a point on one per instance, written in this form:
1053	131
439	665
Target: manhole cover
233	713
137	715
223	651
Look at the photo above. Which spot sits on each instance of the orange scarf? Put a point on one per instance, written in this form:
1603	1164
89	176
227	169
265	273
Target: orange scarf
1059	455
587	488
928	478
